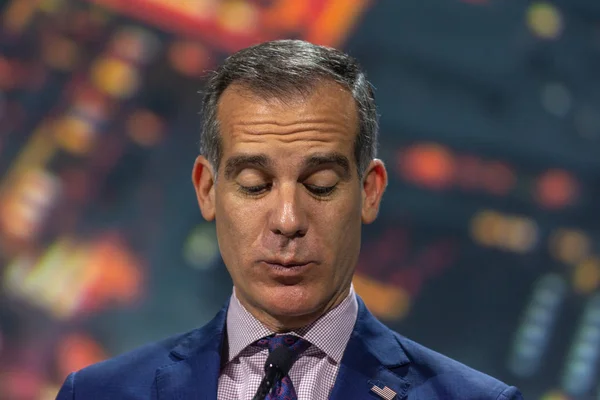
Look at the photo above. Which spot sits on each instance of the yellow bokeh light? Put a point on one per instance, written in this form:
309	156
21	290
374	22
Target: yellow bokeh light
93	273
201	8
512	233
544	20
74	134
554	395
384	300
570	246
238	16
57	269
51	6
26	204
587	276
115	77
486	227
522	234
49	392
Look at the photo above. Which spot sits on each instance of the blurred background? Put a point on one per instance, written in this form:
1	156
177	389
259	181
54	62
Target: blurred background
487	248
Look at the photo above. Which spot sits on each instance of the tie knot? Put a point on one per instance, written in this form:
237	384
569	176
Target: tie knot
296	344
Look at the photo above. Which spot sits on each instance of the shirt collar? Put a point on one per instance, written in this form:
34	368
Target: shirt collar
330	333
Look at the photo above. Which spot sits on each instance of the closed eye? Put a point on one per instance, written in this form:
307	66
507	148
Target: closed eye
321	190
260	189
254	190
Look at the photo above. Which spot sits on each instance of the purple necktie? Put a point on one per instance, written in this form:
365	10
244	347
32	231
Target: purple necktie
283	389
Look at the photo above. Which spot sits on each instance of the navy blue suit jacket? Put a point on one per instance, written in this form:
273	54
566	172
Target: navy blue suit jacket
186	367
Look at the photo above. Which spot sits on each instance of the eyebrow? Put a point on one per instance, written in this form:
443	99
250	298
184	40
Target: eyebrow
235	163
261	161
318	160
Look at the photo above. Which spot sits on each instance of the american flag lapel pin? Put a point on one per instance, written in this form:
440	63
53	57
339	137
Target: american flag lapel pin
386	393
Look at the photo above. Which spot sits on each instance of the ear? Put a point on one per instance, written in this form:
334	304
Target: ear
373	185
204	182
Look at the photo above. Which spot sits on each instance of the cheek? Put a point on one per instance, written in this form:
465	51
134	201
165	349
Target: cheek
238	225
339	226
230	226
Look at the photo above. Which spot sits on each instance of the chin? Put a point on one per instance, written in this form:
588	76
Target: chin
292	301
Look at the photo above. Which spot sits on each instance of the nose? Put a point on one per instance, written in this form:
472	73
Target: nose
288	217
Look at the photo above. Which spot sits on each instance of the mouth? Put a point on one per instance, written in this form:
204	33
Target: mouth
280	268
288	264
285	265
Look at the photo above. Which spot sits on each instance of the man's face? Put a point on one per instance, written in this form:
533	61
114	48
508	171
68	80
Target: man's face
288	202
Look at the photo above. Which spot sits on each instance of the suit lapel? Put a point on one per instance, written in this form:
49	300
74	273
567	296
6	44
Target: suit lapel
373	356
195	373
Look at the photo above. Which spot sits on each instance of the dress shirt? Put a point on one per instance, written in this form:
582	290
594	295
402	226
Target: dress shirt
313	374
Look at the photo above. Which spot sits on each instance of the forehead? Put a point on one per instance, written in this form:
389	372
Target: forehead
326	112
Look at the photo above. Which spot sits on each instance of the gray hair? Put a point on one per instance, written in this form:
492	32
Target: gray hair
281	68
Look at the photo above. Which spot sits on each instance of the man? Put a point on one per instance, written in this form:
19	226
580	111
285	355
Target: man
288	172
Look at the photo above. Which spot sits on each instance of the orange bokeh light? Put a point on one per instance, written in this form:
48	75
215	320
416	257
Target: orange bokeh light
429	165
77	351
113	274
189	57
145	128
556	189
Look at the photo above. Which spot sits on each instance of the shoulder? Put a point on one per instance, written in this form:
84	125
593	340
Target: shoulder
127	375
132	375
148	356
434	375
429	374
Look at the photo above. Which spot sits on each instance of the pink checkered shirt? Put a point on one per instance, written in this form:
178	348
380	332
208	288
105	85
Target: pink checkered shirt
312	375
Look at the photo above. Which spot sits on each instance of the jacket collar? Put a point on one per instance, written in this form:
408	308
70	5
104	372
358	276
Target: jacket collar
373	356
195	372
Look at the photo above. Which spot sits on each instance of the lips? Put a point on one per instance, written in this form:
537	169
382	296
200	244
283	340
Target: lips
288	272
287	264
